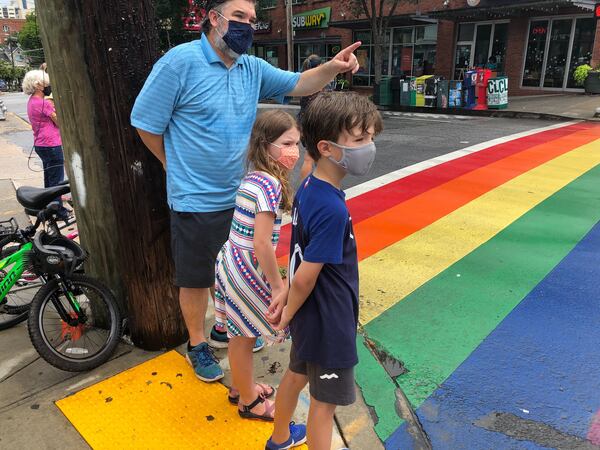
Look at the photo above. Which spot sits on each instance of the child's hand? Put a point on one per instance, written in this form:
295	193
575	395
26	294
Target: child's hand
285	319
278	301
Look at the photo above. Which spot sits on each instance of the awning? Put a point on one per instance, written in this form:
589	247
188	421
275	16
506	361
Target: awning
405	20
505	8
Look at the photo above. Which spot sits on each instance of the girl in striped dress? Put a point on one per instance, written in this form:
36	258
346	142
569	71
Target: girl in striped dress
247	274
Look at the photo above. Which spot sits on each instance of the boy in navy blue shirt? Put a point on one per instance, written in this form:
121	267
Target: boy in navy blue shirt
322	305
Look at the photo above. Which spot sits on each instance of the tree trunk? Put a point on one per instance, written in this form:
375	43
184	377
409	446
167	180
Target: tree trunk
99	54
378	57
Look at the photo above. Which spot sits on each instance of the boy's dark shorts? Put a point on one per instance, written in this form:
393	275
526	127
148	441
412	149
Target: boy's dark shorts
333	386
196	239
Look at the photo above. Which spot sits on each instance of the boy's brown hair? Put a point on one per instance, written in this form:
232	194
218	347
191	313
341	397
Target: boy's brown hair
330	113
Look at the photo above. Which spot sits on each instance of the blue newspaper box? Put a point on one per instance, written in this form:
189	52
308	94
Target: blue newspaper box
469	85
455	94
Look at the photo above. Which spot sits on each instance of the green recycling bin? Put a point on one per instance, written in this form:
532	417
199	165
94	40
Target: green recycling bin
497	93
385	91
412	91
405	93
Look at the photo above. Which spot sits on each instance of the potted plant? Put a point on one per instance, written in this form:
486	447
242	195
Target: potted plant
587	77
341	84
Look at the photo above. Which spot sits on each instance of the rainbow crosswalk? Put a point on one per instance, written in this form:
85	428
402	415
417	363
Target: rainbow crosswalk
447	253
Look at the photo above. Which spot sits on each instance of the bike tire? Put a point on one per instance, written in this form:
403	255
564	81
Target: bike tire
7	322
41	341
13	311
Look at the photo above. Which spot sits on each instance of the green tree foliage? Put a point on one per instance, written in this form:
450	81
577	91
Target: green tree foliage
169	17
29	40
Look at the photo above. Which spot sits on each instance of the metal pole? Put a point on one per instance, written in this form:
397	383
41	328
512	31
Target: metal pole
290	35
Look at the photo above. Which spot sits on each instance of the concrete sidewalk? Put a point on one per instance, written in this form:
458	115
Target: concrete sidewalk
29	387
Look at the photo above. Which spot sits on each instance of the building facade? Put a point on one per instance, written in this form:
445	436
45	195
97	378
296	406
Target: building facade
536	43
8	27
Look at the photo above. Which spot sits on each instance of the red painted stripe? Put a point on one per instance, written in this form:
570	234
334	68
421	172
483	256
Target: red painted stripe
373	202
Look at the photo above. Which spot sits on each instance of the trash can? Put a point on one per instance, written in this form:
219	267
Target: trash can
385	92
412	91
420	100
469	84
497	93
483	76
455	94
396	86
442	93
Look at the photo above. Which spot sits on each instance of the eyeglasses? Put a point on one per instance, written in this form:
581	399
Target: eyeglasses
254	26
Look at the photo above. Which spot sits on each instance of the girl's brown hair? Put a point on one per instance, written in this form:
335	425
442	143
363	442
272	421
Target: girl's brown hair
269	126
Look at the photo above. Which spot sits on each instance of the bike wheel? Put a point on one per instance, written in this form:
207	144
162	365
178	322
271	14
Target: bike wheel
85	345
15	306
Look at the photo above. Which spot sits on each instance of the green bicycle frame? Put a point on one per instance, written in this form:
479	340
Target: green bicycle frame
18	261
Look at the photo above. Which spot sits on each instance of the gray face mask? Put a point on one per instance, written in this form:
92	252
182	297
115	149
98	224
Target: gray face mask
356	160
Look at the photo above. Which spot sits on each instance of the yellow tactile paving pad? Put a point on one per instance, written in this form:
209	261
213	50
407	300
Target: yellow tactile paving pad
160	404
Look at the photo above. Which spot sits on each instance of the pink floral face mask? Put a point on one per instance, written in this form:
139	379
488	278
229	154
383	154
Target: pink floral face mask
288	155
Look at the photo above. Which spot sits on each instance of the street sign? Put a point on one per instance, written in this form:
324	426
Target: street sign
317	18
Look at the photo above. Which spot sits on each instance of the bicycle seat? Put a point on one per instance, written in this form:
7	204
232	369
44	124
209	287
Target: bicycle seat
38	198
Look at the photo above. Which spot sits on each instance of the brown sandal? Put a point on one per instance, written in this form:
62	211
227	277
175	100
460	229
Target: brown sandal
246	411
268	391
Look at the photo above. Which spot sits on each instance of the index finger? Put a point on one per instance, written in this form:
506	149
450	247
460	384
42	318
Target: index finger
351	48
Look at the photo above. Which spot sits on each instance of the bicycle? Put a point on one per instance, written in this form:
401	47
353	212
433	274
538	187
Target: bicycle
74	321
15	309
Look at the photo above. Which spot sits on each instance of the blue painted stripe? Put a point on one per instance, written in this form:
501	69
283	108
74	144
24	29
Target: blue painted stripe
543	358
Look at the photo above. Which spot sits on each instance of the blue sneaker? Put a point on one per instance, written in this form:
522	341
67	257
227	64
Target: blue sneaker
219	339
297	437
205	364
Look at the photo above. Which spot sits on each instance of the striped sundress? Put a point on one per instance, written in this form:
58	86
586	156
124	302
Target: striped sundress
242	293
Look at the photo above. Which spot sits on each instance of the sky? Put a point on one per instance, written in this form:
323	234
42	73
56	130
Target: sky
6	3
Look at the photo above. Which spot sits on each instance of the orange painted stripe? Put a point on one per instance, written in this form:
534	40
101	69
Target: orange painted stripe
384	229
394	224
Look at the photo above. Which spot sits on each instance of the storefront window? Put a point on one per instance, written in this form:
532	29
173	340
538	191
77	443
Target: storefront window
403	35
480	45
499	47
466	32
583	44
325	51
534	58
555	48
556	64
271	56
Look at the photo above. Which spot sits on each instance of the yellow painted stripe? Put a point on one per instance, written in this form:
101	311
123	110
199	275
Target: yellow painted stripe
391	274
160	404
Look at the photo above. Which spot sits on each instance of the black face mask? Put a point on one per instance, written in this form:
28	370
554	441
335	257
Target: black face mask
47	91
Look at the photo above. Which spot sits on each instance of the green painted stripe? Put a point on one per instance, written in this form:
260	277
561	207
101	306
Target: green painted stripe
434	329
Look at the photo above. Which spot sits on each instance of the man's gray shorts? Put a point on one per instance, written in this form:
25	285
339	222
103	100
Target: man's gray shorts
196	239
334	386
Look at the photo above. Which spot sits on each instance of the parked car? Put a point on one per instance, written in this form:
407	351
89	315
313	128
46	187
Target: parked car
3	86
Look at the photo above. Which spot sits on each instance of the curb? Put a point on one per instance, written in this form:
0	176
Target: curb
502	113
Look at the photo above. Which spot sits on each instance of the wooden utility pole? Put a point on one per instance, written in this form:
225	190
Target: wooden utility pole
99	53
289	35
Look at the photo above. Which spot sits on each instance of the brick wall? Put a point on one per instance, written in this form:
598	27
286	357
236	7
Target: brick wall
445	49
14	26
596	52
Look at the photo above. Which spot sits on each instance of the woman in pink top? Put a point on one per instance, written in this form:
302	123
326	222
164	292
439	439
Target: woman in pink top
46	134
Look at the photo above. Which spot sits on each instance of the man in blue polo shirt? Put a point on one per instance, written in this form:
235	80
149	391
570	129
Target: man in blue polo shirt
195	114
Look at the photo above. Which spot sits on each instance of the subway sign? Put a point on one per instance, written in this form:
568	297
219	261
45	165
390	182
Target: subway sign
317	18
